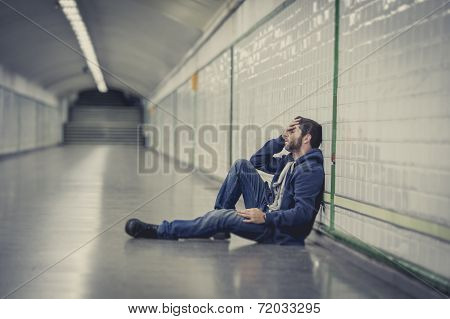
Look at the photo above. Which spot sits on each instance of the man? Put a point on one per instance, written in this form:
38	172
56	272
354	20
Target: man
281	214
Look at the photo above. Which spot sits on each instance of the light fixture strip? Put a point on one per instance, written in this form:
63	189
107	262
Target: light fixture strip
70	9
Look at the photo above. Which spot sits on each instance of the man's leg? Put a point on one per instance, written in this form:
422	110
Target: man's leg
221	220
242	179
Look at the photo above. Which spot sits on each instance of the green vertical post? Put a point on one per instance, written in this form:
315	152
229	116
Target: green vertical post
334	124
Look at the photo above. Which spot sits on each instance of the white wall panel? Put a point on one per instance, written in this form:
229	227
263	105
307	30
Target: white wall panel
284	69
2	114
164	118
213	115
185	125
240	22
393	108
10	124
27	124
393	123
30	116
422	250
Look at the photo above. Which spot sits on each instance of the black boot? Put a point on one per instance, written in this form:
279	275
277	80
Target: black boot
138	229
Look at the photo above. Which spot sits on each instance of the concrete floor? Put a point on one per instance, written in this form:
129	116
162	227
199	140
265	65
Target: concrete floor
62	214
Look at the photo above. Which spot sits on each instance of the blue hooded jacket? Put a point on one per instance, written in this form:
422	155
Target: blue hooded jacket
303	192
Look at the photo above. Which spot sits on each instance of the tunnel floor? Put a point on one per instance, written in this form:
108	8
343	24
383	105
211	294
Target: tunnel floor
62	215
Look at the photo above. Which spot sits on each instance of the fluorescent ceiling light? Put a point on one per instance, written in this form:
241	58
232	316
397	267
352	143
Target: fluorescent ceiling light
70	9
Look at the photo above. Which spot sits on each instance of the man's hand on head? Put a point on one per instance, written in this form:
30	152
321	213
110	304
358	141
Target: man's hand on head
291	127
252	215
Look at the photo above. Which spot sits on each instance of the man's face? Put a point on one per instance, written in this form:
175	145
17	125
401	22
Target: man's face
293	139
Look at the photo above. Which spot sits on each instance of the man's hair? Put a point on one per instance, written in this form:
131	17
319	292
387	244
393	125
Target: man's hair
308	126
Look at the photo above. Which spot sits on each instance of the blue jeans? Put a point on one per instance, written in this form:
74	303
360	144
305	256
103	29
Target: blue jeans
242	179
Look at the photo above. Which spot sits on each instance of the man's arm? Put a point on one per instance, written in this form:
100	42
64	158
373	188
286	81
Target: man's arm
263	159
307	188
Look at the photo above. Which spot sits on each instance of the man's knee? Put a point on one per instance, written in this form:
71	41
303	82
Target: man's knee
241	164
225	218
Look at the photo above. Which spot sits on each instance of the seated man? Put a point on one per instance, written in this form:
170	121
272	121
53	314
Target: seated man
281	214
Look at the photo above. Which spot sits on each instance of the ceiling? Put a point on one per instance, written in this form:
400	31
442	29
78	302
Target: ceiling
137	42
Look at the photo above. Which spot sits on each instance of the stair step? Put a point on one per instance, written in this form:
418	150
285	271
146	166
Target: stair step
101	143
104	125
100	127
133	131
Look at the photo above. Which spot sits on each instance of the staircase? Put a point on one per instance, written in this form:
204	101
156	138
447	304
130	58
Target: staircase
104	125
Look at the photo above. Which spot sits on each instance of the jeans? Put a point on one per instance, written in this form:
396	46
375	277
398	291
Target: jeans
242	179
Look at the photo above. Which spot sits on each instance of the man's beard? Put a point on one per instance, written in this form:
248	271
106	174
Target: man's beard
294	145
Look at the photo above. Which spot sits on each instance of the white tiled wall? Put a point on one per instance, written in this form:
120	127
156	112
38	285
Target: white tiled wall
393	123
213	115
186	123
10	123
422	250
164	118
284	69
185	105
26	124
243	19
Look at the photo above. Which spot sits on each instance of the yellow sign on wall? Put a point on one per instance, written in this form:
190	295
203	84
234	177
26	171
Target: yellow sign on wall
194	81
